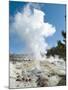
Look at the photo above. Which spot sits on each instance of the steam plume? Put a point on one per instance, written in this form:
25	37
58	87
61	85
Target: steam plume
30	26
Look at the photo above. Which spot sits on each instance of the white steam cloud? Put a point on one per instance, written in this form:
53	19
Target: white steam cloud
32	29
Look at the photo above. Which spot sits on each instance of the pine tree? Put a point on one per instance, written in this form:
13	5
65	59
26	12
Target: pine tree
60	49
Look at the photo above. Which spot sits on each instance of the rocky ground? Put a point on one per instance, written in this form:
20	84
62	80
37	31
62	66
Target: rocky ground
37	74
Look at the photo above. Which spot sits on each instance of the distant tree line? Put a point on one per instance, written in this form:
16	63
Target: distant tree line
60	49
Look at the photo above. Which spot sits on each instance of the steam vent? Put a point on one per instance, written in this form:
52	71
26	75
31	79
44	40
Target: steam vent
26	72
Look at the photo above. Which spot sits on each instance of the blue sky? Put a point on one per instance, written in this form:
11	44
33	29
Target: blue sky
54	14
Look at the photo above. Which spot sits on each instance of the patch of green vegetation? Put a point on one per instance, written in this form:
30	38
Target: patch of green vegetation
62	81
60	49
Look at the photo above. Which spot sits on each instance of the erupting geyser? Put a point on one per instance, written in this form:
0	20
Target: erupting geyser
30	26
